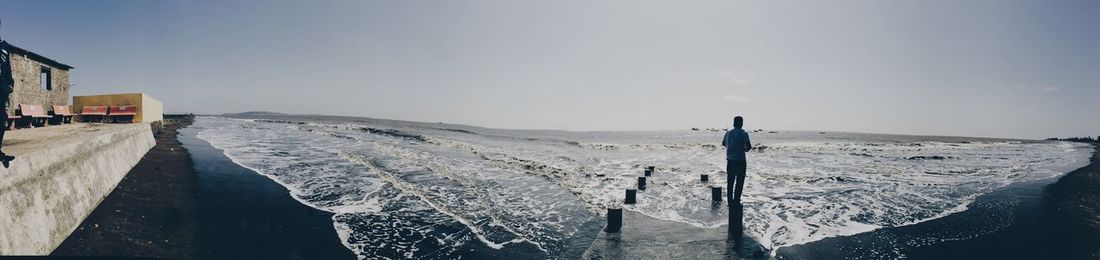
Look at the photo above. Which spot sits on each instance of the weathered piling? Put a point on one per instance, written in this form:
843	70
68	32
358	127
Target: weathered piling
614	220
716	193
641	183
704	178
652	169
648	172
631	196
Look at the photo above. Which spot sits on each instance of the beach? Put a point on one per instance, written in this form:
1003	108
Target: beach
153	212
550	129
1046	219
428	190
185	200
304	187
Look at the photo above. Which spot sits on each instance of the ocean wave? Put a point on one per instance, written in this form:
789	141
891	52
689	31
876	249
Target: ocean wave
443	189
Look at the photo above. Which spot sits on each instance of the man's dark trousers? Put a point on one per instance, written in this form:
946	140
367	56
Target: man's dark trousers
4	107
735	170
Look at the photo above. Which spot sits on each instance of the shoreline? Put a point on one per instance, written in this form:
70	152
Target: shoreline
1053	218
152	212
186	200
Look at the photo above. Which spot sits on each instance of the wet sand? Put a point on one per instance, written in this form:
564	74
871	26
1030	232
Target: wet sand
1074	209
153	212
186	200
1047	219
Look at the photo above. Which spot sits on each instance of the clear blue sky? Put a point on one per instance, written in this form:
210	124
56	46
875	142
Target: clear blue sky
1006	68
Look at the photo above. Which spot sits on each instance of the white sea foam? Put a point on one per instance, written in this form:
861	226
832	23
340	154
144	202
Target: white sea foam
425	190
356	175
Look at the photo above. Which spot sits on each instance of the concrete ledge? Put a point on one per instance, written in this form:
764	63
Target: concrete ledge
60	175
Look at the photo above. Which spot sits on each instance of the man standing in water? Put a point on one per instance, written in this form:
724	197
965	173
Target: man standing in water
736	143
6	85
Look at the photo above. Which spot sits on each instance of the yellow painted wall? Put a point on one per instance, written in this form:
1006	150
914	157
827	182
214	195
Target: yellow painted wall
149	109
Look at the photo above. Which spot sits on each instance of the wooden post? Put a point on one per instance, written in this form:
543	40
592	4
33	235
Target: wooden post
614	220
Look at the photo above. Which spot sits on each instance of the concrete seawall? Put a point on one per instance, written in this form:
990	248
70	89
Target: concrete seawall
60	175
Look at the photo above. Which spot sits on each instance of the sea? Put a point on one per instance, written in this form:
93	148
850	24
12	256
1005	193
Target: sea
402	190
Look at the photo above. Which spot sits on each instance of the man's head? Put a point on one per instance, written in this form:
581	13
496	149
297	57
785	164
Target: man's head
738	122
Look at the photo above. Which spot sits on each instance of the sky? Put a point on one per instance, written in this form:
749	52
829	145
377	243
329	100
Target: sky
1004	68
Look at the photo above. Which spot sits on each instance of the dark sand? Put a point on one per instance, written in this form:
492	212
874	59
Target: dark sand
1047	219
152	212
186	200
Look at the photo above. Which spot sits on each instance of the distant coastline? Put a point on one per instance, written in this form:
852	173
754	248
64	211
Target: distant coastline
254	114
1087	139
759	131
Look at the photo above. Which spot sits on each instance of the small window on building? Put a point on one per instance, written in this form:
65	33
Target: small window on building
46	79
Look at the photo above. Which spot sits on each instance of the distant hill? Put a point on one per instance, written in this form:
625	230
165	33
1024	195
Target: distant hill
254	114
1087	139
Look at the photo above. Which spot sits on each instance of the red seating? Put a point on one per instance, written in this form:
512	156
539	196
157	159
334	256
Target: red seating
94	110
32	111
122	111
35	113
63	115
90	113
62	111
125	111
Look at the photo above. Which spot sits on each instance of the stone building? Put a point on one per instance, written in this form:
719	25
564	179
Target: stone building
38	80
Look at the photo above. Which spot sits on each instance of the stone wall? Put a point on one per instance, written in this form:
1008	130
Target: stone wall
28	84
60	175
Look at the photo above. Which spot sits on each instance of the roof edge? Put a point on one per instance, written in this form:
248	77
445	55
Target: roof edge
35	56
